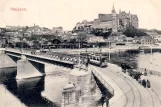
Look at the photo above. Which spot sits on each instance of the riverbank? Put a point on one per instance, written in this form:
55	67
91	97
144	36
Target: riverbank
107	49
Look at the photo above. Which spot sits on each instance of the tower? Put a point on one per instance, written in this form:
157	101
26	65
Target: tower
114	20
129	21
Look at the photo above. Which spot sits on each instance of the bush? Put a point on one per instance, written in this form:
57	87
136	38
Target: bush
132	32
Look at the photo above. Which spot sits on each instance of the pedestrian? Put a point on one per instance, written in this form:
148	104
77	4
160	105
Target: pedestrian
107	101
148	84
139	80
86	64
102	100
144	83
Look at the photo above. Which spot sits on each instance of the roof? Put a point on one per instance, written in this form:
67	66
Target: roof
105	17
134	17
94	39
129	38
68	86
90	22
145	37
123	14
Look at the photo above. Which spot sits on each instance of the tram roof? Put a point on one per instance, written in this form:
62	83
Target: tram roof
96	55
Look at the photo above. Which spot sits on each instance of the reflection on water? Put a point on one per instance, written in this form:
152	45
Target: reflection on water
150	61
7	73
34	92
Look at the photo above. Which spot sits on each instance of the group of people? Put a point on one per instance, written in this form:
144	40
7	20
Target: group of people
146	83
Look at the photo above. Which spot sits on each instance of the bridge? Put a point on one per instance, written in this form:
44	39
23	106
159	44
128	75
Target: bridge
31	64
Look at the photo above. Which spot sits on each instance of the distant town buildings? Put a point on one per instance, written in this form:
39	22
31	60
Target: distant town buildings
58	30
114	21
34	30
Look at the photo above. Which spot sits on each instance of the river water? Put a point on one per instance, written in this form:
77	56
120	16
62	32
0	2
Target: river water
47	91
150	61
35	92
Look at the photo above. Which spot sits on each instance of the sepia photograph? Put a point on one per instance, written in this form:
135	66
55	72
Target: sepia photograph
80	53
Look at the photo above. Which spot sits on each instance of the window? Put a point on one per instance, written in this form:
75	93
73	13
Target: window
68	97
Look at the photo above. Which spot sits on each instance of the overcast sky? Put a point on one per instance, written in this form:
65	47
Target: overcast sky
66	13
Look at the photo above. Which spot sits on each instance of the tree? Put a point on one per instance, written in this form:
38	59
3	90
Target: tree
132	32
56	41
82	37
101	32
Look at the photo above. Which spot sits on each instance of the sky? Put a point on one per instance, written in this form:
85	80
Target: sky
66	13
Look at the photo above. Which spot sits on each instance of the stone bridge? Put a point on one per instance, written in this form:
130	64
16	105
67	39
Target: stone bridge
31	64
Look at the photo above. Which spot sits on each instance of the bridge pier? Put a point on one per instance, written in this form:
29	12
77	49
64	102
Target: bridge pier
27	69
6	61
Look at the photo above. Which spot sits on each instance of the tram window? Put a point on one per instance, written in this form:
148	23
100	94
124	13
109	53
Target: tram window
94	58
97	58
103	60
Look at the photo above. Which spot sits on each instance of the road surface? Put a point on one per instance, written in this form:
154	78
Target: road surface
128	92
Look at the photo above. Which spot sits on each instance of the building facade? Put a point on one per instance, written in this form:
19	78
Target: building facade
114	21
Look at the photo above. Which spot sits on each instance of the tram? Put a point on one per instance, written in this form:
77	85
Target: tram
97	60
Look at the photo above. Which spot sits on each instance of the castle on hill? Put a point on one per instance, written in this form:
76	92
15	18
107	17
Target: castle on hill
114	21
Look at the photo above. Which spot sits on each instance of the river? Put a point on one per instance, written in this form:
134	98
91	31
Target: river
149	61
34	92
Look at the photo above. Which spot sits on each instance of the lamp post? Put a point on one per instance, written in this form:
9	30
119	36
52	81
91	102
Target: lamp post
151	51
109	56
100	53
79	53
22	44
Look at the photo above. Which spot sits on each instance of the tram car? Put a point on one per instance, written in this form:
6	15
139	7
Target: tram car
97	60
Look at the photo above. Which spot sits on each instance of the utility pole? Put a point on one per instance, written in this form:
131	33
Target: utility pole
79	53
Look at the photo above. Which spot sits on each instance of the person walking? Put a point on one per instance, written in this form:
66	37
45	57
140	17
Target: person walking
106	101
148	84
144	83
102	100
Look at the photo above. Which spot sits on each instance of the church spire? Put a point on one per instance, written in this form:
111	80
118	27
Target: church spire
113	9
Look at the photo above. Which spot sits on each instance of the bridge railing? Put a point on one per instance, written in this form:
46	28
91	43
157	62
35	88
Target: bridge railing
104	82
152	72
55	55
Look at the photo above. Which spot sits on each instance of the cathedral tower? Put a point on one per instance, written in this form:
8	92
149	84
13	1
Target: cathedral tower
114	20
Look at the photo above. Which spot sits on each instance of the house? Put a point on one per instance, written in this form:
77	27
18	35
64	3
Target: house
129	39
146	40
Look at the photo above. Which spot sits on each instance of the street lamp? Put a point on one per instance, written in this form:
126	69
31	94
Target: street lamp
151	50
22	44
79	53
109	52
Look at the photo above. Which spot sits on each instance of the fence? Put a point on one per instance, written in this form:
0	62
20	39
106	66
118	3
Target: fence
152	72
104	82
